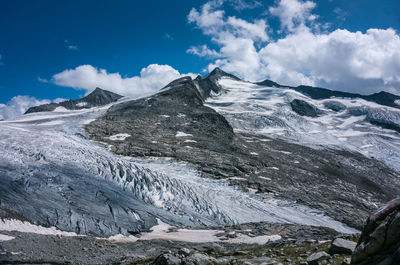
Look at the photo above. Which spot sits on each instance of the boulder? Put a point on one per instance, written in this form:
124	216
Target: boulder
318	258
342	246
199	259
167	259
380	239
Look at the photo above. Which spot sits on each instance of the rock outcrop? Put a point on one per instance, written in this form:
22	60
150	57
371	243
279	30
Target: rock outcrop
380	240
303	108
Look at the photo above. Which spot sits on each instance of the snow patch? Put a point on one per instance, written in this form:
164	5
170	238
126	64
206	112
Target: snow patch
26	227
190	141
366	146
160	232
87	121
5	238
182	134
60	109
81	104
252	191
237	178
254	153
119	137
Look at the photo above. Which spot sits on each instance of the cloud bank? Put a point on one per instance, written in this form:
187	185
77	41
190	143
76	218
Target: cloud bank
18	105
363	62
86	77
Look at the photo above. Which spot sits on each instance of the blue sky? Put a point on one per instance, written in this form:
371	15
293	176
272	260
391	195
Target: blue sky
40	39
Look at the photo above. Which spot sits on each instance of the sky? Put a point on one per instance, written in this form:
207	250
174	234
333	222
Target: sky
55	50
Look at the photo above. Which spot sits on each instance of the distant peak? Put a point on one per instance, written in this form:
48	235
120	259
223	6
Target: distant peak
98	90
218	72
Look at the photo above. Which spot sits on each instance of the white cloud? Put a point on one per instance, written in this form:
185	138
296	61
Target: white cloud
86	77
242	4
293	13
362	62
203	51
213	23
18	105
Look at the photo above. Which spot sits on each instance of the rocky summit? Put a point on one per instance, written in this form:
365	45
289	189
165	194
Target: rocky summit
96	98
211	170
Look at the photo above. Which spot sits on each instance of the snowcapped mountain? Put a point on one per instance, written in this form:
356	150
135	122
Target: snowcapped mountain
215	150
335	120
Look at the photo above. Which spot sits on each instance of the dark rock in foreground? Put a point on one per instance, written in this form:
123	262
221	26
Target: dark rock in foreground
317	258
342	246
98	97
380	240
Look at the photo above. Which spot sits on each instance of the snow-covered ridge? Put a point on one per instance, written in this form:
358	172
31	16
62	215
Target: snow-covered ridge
351	124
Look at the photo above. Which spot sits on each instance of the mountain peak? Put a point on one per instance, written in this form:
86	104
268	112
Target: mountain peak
98	97
218	73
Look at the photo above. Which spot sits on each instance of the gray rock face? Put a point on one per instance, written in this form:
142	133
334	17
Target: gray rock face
380	240
303	108
318	257
98	97
342	246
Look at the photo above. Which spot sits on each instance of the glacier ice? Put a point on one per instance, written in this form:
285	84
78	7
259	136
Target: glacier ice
352	124
54	175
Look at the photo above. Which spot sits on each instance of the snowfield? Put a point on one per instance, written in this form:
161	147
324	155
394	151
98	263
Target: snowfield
56	176
343	124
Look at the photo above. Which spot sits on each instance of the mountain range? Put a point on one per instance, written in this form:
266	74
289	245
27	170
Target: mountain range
209	152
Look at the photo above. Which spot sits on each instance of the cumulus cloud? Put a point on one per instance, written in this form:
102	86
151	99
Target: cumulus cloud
362	62
18	105
293	13
152	78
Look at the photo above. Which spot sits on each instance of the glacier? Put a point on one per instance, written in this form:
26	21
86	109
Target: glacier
52	174
356	125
